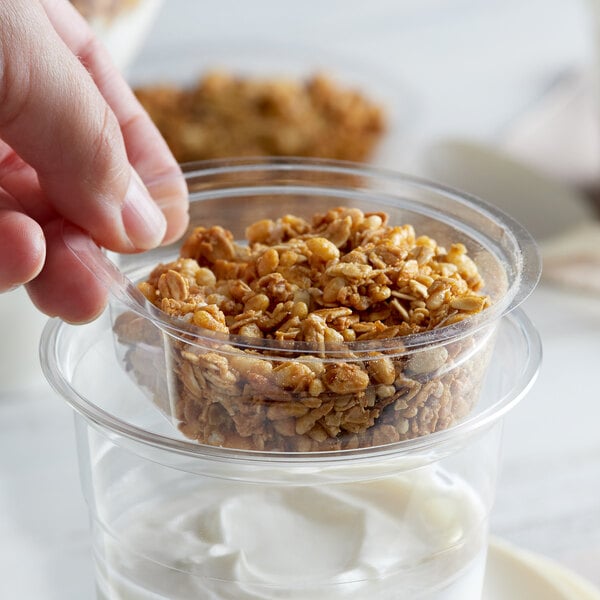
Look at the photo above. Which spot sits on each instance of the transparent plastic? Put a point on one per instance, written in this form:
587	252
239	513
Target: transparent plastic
257	394
394	512
177	520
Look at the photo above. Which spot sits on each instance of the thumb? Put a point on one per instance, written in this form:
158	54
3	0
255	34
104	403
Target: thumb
54	117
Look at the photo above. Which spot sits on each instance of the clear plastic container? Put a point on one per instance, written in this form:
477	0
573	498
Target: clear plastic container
391	512
176	520
259	394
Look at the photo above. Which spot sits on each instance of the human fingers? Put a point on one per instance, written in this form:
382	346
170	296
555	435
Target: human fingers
147	150
65	288
34	255
54	117
20	181
22	245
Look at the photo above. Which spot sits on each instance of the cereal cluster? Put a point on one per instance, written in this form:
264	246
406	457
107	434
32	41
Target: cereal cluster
224	116
345	276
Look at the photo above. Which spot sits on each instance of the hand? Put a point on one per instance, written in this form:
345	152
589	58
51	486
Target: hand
73	140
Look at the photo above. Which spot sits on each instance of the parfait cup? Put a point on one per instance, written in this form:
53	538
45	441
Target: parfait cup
209	474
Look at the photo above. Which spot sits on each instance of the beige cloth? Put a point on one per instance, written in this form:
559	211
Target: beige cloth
573	259
561	136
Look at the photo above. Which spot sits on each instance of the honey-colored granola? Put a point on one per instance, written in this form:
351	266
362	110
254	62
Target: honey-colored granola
225	115
105	10
344	277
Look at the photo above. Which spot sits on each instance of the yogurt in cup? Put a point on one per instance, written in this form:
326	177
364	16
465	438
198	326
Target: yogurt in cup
174	518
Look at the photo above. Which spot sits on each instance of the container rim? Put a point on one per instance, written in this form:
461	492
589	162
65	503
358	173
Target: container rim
50	346
527	260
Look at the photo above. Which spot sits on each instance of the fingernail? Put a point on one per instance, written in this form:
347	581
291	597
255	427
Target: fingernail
144	223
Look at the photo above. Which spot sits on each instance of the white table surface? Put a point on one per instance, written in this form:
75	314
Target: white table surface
549	489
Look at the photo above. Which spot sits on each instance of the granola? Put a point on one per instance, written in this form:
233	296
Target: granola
106	10
224	115
328	284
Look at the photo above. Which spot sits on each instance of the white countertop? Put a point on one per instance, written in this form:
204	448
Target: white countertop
549	489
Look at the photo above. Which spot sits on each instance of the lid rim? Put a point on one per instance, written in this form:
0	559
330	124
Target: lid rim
440	439
524	280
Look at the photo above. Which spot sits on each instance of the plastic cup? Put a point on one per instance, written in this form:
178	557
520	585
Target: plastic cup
390	512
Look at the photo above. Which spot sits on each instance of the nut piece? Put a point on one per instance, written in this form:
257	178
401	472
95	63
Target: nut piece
322	248
345	378
427	361
172	285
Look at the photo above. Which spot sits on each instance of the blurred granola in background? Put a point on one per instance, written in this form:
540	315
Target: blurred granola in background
224	115
106	10
227	115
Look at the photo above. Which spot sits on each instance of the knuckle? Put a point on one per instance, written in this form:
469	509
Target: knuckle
15	86
102	143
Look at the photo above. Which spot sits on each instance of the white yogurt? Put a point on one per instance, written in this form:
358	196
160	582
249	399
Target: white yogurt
418	536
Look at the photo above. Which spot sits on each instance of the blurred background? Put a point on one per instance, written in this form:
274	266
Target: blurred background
462	68
499	98
457	81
